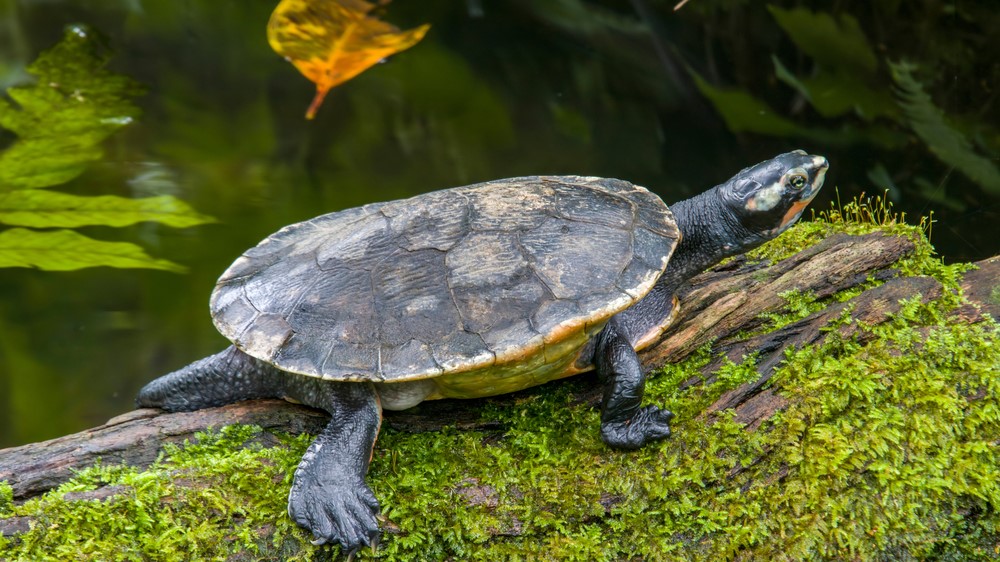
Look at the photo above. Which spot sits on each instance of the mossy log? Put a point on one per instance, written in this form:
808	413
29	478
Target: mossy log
723	309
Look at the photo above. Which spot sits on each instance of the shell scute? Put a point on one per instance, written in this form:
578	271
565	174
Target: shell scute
558	247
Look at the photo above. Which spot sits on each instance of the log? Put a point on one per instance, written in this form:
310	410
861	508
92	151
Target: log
728	300
136	438
718	307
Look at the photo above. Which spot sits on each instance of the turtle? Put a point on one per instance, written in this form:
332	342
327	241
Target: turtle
467	292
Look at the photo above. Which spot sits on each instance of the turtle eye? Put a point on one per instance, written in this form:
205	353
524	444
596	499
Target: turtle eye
798	181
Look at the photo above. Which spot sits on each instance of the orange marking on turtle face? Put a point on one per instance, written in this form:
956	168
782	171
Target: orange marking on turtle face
794	211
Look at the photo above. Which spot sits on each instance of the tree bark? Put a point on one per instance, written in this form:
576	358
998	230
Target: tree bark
718	306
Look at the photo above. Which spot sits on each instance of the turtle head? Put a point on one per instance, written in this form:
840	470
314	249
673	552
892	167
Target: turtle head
768	198
751	208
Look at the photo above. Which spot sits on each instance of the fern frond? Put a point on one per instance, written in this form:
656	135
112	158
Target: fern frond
949	145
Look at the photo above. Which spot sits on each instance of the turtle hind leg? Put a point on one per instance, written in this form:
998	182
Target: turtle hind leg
226	377
329	495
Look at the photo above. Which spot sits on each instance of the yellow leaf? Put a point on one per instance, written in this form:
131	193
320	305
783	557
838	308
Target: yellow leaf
332	41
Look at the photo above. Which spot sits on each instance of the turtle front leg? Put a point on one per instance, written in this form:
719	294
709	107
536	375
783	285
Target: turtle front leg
625	423
329	495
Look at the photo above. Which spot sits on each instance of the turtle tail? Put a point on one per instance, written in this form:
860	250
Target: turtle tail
226	377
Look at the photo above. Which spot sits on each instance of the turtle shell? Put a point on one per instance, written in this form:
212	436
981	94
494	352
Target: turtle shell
457	280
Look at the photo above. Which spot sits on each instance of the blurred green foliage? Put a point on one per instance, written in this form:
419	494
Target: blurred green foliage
861	97
929	123
60	122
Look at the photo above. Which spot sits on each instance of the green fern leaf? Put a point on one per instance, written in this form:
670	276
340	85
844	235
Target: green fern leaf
64	250
833	42
743	112
40	208
60	123
946	143
61	119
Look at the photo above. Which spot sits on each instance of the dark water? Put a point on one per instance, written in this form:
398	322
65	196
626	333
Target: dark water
497	89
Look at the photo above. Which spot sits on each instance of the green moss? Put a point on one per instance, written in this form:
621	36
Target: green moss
862	215
889	446
994	297
798	305
885	451
241	489
6	497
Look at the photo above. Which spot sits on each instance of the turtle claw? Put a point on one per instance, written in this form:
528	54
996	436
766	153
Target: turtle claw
344	514
649	423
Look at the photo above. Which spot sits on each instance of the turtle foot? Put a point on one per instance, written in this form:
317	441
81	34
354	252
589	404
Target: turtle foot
649	423
341	513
